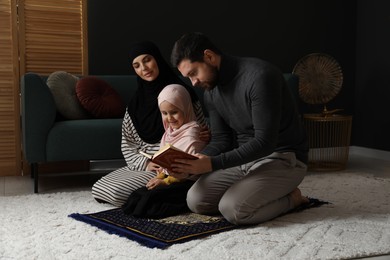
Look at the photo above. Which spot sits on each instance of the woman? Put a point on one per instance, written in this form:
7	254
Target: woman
142	126
165	195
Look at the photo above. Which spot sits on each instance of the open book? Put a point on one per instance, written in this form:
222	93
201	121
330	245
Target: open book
167	155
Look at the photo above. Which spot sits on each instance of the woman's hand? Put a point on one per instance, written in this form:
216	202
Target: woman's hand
155	182
205	134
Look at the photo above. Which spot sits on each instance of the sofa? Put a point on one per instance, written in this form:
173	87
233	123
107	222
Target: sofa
48	136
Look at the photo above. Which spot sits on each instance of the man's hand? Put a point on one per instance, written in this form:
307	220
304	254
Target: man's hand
182	167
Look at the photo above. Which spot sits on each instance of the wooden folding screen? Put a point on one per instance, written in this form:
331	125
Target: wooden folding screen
9	91
40	36
53	36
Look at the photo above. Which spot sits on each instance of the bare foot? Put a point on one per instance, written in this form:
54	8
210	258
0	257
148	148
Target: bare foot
297	198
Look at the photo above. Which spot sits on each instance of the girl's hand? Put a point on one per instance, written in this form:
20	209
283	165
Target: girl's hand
205	134
152	167
155	182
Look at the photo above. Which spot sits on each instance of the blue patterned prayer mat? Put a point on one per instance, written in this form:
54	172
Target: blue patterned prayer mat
162	233
159	233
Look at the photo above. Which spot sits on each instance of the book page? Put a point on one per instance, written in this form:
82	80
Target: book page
167	147
149	156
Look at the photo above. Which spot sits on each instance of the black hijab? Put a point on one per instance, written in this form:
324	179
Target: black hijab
143	107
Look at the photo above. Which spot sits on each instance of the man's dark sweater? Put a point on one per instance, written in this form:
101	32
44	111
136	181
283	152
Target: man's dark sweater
252	114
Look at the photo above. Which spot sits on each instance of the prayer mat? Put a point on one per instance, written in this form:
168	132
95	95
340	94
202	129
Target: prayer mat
162	233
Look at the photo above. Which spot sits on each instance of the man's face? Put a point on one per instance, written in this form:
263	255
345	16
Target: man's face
201	74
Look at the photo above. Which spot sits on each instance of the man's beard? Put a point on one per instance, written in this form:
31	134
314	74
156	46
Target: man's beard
212	81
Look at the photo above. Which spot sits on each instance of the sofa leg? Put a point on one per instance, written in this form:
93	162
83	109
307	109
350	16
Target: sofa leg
34	174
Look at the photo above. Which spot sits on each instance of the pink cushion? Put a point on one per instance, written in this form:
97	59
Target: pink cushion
99	98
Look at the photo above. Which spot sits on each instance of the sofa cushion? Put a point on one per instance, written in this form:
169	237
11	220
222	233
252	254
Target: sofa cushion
63	88
92	139
99	98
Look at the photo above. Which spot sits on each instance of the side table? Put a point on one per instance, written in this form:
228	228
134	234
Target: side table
329	139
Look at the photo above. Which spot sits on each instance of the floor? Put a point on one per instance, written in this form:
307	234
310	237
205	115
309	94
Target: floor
368	160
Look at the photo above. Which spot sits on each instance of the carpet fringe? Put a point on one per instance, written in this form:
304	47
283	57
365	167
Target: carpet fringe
313	203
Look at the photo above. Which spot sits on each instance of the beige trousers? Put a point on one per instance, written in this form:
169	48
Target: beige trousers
251	193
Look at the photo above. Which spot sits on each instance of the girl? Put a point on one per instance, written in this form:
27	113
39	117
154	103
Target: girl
181	131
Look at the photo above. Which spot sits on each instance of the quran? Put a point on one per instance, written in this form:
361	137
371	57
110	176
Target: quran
167	155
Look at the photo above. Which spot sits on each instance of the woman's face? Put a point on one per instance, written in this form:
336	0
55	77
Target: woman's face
146	67
172	115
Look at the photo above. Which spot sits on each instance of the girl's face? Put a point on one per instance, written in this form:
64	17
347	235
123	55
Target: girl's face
171	115
146	67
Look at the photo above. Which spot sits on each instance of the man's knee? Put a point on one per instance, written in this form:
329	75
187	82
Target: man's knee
236	212
230	211
195	201
198	203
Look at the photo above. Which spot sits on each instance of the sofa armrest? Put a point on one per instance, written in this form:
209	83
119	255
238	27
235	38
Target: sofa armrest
38	116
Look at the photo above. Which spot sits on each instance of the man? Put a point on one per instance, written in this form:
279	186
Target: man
250	170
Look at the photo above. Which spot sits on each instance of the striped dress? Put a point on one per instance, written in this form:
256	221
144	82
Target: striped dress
115	187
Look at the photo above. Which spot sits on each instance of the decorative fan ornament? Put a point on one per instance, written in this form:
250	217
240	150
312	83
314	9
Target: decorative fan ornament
320	78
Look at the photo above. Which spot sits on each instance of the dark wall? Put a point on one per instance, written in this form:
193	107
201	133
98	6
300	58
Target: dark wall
280	31
372	96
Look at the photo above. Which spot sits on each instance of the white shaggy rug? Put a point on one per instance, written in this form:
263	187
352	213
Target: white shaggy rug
356	224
